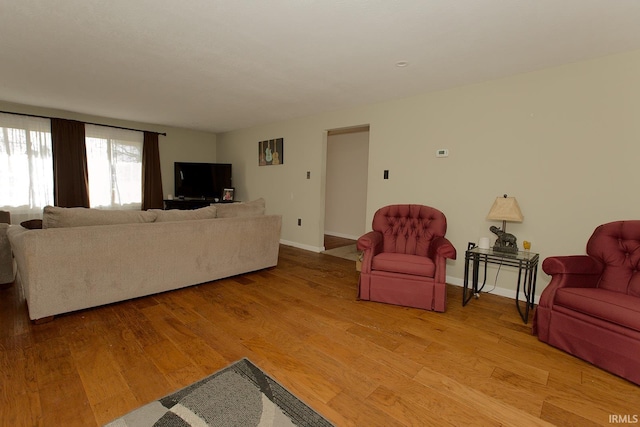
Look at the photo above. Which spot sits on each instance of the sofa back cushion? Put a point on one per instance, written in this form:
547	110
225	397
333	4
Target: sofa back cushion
253	208
409	229
617	246
207	212
57	217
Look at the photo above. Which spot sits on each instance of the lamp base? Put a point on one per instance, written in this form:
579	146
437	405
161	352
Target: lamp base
505	249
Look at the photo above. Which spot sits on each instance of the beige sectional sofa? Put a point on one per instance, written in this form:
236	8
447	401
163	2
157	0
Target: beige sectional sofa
84	258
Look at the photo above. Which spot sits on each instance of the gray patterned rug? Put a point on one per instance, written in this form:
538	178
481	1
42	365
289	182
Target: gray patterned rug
238	395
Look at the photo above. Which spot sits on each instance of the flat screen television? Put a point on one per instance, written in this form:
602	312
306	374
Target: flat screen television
201	180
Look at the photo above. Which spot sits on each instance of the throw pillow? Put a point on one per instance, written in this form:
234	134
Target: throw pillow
32	224
253	208
208	212
56	217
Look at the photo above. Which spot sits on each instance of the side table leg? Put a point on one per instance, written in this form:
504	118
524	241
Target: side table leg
465	288
523	316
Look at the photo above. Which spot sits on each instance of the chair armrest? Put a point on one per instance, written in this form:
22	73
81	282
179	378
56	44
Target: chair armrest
370	241
573	271
371	244
439	250
442	247
572	264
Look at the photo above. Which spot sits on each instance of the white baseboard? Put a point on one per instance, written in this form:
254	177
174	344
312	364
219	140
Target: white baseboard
344	236
503	292
302	246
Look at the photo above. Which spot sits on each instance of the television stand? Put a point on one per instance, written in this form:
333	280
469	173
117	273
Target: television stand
193	203
187	203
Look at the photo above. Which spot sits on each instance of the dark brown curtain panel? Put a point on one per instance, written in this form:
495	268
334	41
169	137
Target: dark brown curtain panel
70	173
151	175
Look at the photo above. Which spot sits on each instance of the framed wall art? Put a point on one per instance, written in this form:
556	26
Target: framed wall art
271	152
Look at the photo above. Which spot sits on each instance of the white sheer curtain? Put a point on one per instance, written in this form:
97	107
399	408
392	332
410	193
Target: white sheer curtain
114	162
26	166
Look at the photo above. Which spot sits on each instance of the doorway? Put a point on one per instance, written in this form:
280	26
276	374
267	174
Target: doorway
347	169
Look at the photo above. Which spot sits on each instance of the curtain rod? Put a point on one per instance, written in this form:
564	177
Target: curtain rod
88	123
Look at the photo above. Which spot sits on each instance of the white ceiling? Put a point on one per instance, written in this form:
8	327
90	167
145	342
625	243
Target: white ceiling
219	65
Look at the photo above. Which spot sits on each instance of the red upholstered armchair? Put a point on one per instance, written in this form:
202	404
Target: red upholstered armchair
404	259
591	307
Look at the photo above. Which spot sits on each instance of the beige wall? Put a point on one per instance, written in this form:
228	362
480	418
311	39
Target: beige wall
346	184
179	144
564	141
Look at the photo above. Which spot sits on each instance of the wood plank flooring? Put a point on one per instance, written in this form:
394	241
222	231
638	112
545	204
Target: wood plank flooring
332	242
358	363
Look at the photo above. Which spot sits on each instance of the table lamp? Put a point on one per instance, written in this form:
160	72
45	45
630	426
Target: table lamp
505	209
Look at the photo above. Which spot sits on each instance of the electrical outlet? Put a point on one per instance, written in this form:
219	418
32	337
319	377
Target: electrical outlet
308	174
299	221
386	174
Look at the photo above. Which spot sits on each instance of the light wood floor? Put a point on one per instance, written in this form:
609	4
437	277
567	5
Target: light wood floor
332	242
358	363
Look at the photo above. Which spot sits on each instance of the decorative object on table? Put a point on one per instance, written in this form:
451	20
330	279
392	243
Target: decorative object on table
240	394
484	243
270	152
526	245
228	194
505	209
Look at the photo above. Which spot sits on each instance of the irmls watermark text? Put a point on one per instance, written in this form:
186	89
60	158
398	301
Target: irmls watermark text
624	419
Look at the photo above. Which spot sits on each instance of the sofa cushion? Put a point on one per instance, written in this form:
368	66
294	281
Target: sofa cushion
57	217
207	212
403	263
609	306
253	208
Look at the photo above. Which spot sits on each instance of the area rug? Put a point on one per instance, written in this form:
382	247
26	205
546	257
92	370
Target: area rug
238	395
349	252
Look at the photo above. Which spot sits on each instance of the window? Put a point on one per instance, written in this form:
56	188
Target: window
114	163
26	166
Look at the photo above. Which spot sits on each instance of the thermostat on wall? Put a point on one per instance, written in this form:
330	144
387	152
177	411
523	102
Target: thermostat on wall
442	152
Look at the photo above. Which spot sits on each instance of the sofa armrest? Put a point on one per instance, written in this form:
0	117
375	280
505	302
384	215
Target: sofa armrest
371	244
7	268
572	271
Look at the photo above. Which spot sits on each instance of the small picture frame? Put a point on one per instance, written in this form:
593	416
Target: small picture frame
228	194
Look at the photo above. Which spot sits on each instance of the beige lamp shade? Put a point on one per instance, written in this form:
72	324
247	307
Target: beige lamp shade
505	209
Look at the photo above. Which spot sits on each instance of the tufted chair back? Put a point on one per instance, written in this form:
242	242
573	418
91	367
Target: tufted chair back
617	246
409	229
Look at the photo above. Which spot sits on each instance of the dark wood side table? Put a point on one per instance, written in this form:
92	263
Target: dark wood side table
525	261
